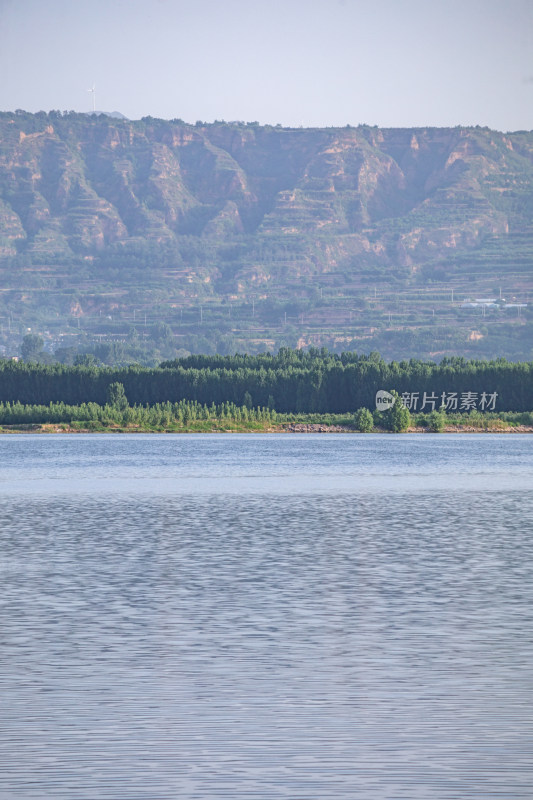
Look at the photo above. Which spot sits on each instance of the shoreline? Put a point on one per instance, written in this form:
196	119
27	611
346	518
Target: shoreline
288	428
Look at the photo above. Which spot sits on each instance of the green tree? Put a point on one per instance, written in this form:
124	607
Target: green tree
247	400
65	355
161	332
86	360
436	421
31	347
363	420
116	396
399	417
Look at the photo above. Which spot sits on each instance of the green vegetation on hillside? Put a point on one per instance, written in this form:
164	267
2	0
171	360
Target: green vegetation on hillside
240	237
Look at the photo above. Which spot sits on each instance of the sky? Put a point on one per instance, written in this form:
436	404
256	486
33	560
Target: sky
391	63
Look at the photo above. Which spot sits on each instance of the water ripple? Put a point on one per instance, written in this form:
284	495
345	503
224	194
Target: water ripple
363	645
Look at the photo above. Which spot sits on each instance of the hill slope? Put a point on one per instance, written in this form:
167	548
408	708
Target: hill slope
350	235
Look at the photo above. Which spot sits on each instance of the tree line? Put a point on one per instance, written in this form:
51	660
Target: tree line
160	415
292	381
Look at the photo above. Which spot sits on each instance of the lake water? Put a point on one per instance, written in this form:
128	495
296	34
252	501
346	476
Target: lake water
266	616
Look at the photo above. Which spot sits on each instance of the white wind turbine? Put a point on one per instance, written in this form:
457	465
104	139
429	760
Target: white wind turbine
93	92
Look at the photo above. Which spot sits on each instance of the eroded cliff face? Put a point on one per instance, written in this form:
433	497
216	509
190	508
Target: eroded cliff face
77	187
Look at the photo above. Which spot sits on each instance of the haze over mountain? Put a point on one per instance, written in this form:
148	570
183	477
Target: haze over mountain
328	233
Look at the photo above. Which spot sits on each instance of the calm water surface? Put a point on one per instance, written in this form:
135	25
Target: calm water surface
231	616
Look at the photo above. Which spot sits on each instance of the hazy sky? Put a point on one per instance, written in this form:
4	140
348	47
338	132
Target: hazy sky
296	62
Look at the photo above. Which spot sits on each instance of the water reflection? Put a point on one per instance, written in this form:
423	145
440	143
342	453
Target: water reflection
267	646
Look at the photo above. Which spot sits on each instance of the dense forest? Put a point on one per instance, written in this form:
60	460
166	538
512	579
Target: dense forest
315	381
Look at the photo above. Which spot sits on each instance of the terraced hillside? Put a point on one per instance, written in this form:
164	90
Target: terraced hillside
241	236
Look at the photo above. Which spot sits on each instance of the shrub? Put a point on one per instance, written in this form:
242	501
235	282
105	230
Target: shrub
379	419
399	416
496	424
436	421
363	420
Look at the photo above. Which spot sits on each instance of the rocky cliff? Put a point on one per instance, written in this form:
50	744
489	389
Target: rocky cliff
93	210
353	198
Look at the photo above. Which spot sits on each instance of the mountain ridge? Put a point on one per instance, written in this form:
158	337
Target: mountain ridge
223	210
